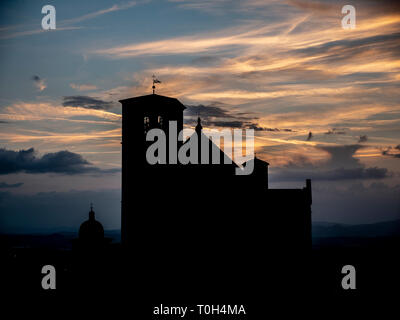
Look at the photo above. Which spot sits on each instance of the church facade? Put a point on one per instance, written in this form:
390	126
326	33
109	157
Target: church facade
202	212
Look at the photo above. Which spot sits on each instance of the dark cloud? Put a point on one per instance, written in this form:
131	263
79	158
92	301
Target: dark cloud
39	82
237	124
228	124
310	136
63	162
4	185
341	165
216	115
363	138
392	152
244	125
206	112
335	174
335	131
257	128
87	102
342	156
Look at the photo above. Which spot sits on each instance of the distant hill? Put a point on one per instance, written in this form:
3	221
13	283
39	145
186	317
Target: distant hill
380	229
62	239
54	240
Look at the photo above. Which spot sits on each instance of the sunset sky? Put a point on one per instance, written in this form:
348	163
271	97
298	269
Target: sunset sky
324	101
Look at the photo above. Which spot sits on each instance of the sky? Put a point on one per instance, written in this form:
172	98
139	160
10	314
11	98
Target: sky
323	100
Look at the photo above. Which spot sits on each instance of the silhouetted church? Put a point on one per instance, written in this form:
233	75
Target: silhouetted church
202	213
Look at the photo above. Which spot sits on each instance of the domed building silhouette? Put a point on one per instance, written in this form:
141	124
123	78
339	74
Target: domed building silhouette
91	231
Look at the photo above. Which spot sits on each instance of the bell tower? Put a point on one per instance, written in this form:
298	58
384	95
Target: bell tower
139	115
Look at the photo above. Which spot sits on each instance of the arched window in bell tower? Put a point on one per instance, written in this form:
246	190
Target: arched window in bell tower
146	124
160	121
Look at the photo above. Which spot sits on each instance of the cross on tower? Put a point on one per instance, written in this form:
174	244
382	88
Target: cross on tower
155	80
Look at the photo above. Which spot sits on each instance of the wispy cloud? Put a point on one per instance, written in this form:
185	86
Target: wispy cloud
87	102
256	35
83	87
301	72
51	126
32	31
10	32
98	13
32	111
335	131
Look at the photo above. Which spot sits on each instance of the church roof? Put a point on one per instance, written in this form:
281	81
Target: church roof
224	159
154	100
259	162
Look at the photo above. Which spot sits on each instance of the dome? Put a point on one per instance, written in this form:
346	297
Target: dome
91	230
